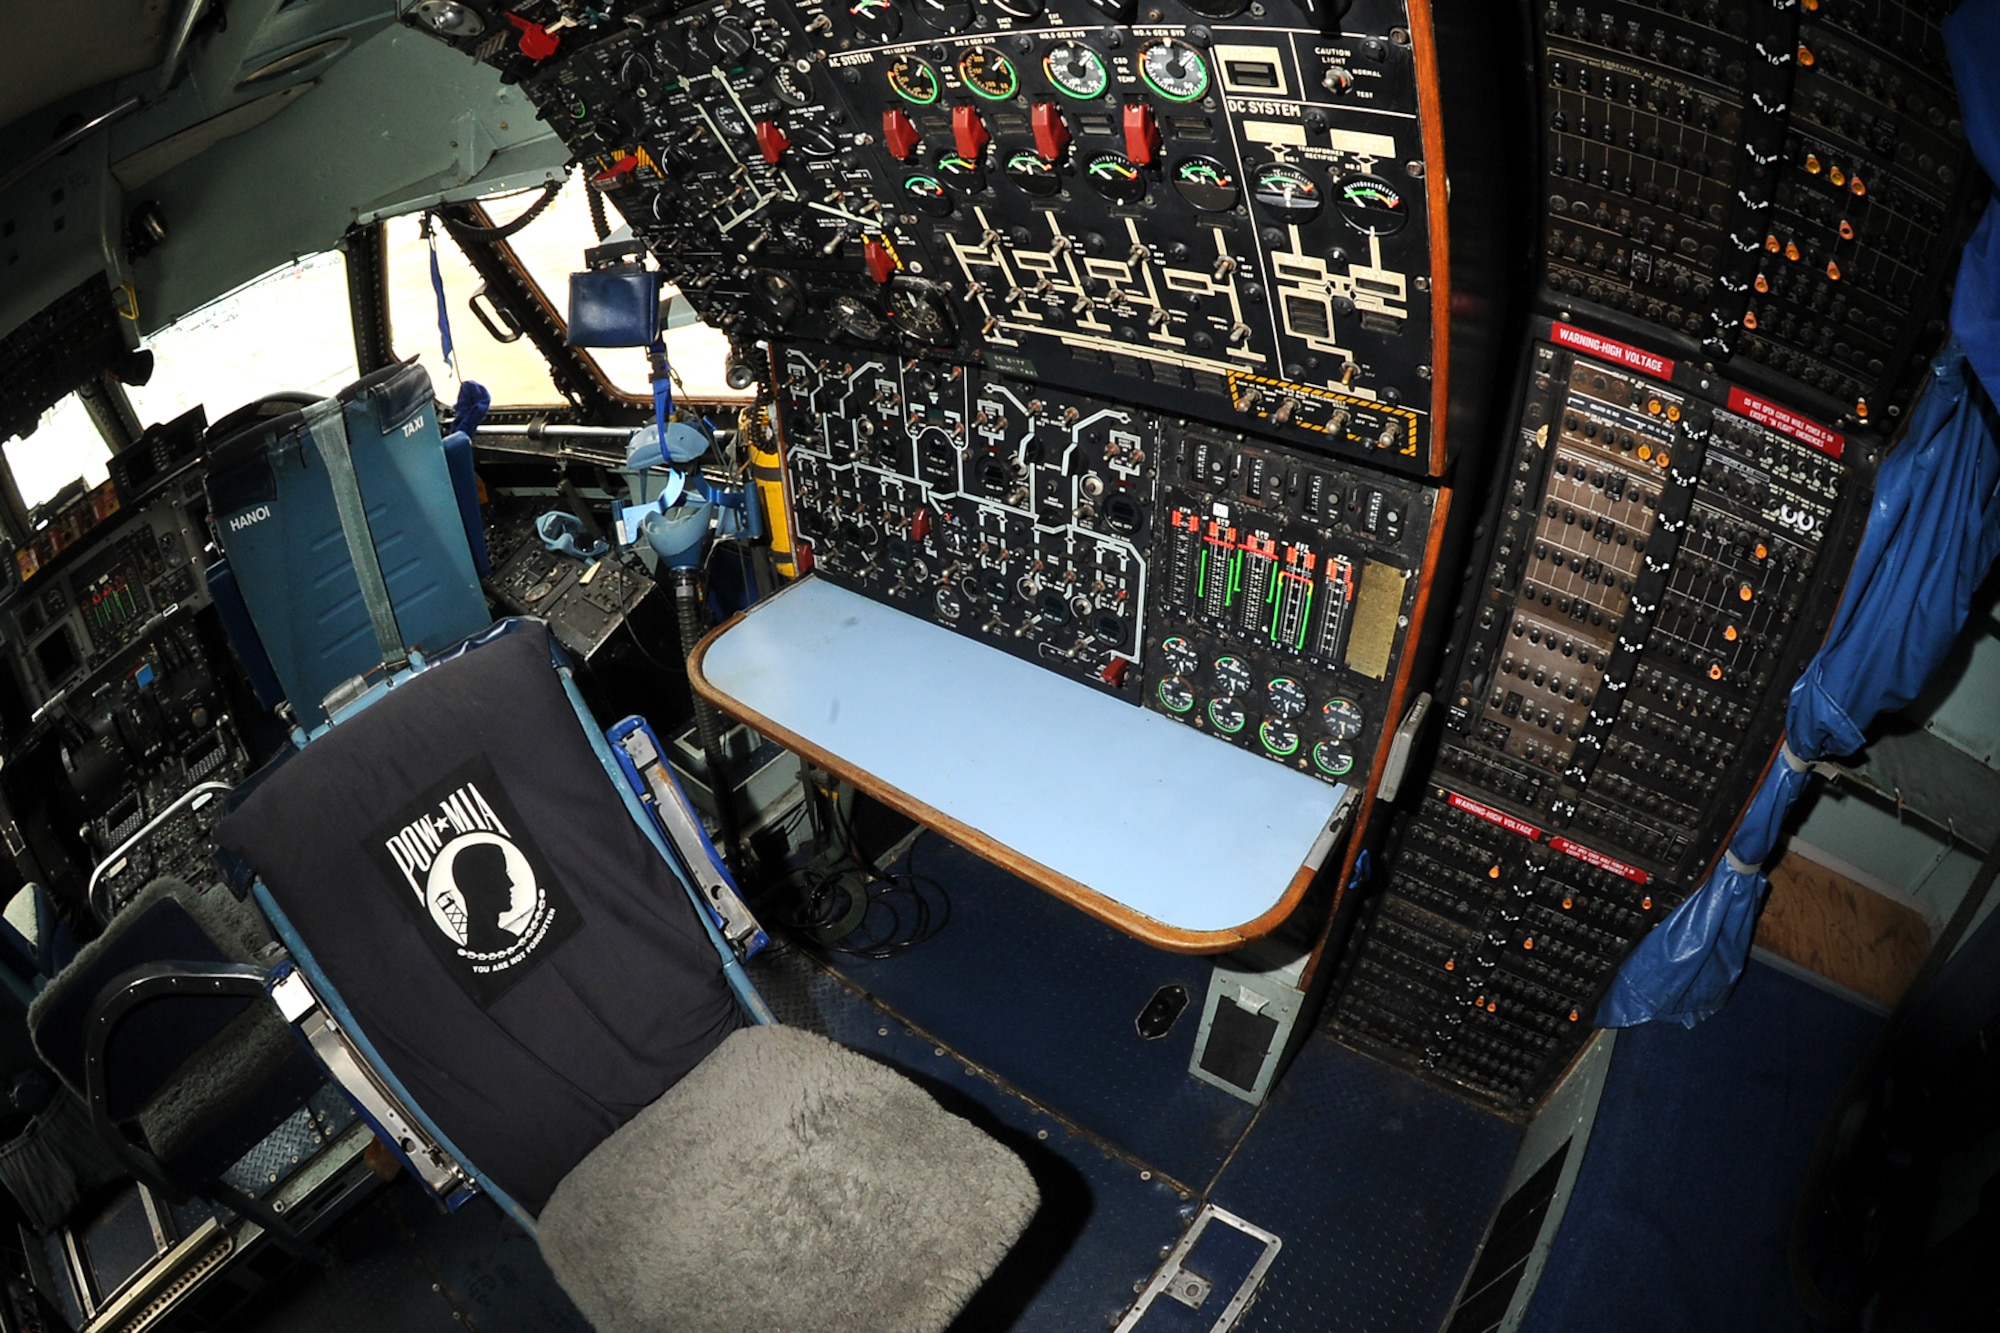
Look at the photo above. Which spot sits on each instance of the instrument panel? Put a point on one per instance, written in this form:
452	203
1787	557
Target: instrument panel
1227	216
1749	217
1114	340
72	622
1257	593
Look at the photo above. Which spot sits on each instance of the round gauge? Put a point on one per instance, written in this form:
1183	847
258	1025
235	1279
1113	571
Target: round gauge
927	195
636	72
922	314
792	85
1207	184
1279	737
1372	205
1287	697
876	20
1286	191
812	141
950	604
732	125
1018	9
963	172
1173	69
731	39
1231	677
1033	173
1227	715
1114	177
1176	694
989	73
852	316
1343	718
1076	70
1180	656
1333	758
1217	9
945	15
913	79
781	296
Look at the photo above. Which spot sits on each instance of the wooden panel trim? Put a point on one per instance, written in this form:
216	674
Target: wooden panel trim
1157	933
1437	203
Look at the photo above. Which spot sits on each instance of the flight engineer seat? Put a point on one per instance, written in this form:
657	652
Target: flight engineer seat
481	908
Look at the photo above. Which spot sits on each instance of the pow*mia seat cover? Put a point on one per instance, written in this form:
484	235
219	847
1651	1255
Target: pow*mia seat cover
458	864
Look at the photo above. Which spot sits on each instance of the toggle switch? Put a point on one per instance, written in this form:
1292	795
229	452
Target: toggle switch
1051	131
968	132
771	141
1142	134
899	134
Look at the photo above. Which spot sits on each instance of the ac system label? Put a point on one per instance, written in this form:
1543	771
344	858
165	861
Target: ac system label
1610	349
1767	413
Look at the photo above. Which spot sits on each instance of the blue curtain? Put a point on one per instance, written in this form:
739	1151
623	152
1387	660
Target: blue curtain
1933	532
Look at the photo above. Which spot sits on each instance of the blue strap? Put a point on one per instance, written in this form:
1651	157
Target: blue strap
437	286
663	386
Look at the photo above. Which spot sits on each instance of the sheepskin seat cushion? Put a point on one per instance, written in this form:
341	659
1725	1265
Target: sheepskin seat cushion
787	1185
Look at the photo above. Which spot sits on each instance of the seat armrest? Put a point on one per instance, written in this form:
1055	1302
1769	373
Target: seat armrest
124	993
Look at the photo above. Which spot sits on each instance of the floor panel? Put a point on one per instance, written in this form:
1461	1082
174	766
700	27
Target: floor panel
1045	996
1380	1187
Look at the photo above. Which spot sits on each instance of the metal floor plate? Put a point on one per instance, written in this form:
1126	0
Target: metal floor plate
1380	1188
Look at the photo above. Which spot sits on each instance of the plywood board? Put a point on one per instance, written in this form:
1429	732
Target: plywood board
1849	934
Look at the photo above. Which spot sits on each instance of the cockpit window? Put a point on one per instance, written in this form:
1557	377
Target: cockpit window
65	446
287	331
549	249
513	372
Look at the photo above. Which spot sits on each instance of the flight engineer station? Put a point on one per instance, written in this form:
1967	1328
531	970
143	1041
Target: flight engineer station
1035	666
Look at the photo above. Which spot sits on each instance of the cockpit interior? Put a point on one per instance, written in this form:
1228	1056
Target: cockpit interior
1035	666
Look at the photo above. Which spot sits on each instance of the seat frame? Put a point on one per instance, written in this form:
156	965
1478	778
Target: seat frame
311	1003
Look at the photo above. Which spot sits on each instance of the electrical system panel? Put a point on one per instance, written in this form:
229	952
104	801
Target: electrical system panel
1750	216
1778	187
1667	549
1222	215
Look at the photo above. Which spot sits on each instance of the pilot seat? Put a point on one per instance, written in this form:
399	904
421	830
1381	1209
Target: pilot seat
490	938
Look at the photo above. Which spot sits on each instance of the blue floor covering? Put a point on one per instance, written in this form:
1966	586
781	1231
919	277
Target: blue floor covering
1684	1203
1381	1188
1045	996
402	1266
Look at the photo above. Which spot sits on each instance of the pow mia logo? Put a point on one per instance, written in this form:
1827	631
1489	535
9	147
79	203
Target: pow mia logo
478	886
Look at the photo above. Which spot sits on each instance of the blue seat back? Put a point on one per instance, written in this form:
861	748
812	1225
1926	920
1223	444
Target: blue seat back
274	511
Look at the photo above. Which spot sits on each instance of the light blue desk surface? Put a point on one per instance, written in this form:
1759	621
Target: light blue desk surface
1179	827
